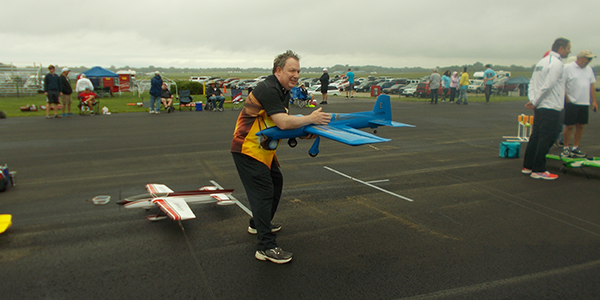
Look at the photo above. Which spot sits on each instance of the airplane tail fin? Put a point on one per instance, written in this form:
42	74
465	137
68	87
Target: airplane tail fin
383	108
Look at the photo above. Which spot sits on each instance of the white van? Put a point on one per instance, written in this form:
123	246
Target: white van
199	78
478	75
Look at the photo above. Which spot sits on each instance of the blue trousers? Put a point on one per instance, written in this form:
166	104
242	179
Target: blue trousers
154	99
217	100
462	93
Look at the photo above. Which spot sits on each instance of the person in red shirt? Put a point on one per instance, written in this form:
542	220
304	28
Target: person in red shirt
87	98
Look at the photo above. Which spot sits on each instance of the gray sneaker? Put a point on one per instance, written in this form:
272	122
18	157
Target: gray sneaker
276	255
274	228
565	152
577	153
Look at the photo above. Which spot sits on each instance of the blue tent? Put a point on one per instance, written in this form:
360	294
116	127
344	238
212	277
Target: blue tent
99	72
95	75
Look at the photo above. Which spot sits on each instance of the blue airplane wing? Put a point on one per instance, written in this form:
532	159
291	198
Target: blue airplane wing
345	134
390	123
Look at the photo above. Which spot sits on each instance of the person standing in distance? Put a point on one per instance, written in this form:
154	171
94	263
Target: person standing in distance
350	89
52	89
488	80
324	79
580	94
445	85
547	99
462	86
155	92
67	90
254	156
434	85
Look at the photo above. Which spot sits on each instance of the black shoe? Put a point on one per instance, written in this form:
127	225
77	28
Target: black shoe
276	255
324	102
559	144
577	153
274	228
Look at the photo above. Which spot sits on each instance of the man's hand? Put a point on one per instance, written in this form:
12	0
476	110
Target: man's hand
530	105
595	106
320	118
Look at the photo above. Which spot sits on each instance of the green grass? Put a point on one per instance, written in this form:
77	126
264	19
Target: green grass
11	105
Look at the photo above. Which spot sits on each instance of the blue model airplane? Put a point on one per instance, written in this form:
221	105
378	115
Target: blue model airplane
342	128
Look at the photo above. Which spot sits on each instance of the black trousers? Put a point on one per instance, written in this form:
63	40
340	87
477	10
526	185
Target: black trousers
434	95
452	94
546	126
488	92
263	187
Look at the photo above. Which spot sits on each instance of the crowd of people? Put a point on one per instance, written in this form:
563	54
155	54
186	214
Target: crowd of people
58	91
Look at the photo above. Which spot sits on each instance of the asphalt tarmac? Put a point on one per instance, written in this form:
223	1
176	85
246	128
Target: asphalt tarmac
476	229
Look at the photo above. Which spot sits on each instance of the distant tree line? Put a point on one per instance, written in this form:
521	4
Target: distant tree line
478	66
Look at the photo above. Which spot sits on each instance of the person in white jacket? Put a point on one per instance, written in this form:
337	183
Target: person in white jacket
547	99
82	83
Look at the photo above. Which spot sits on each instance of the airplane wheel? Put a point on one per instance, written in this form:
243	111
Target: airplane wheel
313	154
292	142
375	131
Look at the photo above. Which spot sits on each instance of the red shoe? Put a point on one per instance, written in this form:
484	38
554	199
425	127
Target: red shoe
526	171
544	175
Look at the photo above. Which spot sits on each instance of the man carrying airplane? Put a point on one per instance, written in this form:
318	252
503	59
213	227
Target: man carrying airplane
580	93
255	159
547	99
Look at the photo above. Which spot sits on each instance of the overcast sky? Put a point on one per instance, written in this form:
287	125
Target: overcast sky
249	33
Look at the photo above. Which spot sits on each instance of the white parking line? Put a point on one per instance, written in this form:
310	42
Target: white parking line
368	184
237	202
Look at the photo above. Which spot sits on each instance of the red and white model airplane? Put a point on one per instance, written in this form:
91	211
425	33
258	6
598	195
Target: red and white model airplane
175	204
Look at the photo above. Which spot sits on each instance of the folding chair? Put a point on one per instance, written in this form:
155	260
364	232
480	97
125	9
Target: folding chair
295	95
236	99
83	108
185	99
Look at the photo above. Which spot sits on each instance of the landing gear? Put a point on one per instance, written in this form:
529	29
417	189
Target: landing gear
292	142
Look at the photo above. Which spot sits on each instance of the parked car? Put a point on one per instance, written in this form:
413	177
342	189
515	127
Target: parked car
232	83
394	89
199	78
409	90
475	86
365	86
243	84
424	91
331	90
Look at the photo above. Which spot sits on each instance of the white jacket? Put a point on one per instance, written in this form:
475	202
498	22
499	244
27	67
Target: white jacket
547	85
82	83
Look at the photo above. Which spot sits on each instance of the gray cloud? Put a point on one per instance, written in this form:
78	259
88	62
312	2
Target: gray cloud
239	33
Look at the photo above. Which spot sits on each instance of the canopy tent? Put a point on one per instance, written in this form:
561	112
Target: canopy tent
518	80
105	81
99	72
519	83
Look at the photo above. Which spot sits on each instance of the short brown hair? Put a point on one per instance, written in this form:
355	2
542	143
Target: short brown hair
560	42
282	58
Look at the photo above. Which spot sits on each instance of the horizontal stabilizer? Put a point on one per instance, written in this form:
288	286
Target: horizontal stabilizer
176	209
389	123
155	188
